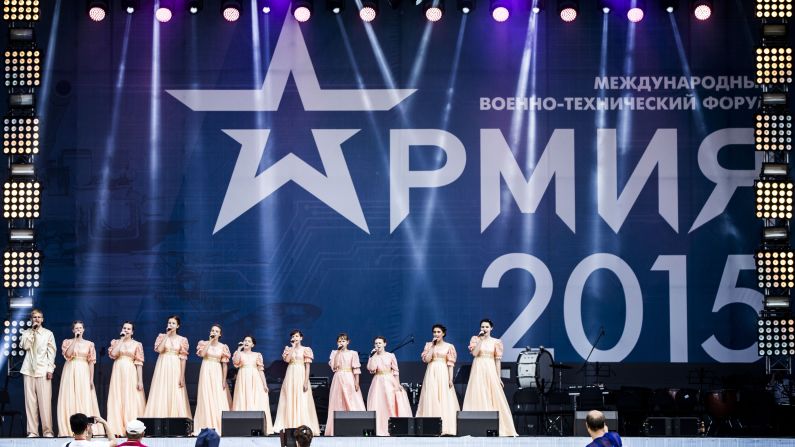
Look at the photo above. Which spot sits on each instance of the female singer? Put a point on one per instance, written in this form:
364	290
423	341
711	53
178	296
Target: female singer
438	398
77	393
126	400
251	389
296	406
484	391
168	397
345	394
213	394
386	397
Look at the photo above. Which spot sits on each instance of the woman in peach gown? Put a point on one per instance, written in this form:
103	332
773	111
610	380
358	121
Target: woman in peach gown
77	393
126	400
386	396
251	389
345	394
485	388
438	398
213	396
168	397
296	406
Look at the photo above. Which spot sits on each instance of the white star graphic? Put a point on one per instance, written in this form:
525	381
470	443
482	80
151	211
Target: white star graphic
246	189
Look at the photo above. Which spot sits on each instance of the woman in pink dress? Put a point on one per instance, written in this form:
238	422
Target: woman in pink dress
484	391
126	400
296	406
213	395
251	389
77	393
345	394
168	397
386	396
438	398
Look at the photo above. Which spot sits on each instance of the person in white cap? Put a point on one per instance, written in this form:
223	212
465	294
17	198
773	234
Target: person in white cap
135	433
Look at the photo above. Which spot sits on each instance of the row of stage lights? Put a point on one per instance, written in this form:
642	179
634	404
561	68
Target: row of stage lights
774	189
568	10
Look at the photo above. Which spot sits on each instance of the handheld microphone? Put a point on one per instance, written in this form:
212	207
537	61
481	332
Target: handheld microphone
240	343
212	336
121	334
339	348
372	353
482	333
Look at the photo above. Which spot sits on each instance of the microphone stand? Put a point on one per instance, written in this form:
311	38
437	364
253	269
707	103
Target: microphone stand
407	341
585	364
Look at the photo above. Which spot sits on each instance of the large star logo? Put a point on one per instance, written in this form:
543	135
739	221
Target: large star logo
247	188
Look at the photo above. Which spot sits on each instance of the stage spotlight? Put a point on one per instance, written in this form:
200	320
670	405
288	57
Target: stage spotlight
22	68
536	6
12	330
303	10
604	6
21	135
774	9
130	6
777	303
775	235
23	10
195	6
163	14
774	199
433	9
231	10
568	10
776	336
21	268
670	5
500	11
635	15
22	170
773	132
20	302
20	235
21	199
97	9
335	6
702	9
773	65
775	269
369	10
466	6
774	99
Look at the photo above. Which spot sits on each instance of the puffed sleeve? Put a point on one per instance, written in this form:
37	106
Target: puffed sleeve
183	348
331	358
138	356
65	346
356	366
260	362
473	342
92	353
498	348
393	364
160	339
427	352
308	355
452	356
225	354
201	348
113	344
236	359
286	354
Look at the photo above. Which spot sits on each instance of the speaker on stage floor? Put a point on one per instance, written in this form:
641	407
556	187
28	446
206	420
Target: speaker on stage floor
167	427
354	423
671	426
415	426
243	423
478	423
611	420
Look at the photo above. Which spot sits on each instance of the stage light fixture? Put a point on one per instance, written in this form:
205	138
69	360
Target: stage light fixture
130	6
231	10
369	10
773	65
21	199
97	9
568	9
335	6
20	235
466	6
21	10
773	132
22	170
775	269
20	302
774	9
670	5
22	37
775	235
21	135
433	10
195	6
303	10
702	9
774	35
163	14
22	68
776	336
774	99
536	6
774	199
777	302
604	6
12	330
635	15
500	10
21	268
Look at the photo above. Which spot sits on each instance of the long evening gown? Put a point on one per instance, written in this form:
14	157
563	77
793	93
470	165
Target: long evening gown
250	387
211	397
484	391
166	398
75	394
438	399
343	395
296	406
386	396
125	401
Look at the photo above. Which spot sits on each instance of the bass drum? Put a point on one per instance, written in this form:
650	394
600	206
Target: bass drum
534	369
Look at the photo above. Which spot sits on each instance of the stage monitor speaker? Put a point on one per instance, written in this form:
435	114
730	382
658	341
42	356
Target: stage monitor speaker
611	420
478	423
167	427
354	423
415	426
663	426
243	423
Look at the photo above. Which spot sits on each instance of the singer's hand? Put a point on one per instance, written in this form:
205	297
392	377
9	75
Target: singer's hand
306	386
356	387
450	383
181	383
49	376
266	388
223	385
91	385
140	386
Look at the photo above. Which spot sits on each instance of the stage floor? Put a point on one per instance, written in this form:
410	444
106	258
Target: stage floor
438	442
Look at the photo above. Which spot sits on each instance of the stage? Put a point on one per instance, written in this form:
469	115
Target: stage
439	442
